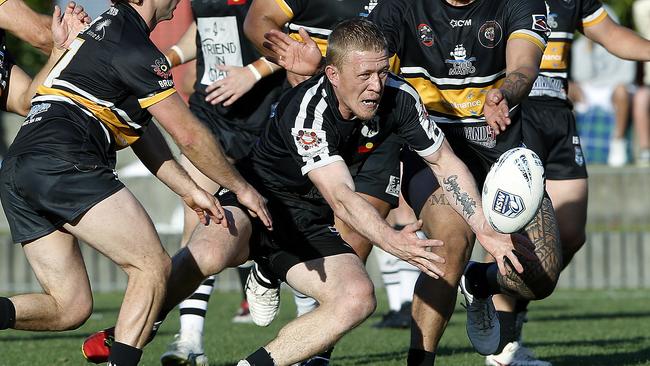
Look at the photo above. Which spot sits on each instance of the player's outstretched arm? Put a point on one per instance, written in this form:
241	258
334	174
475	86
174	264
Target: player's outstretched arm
337	187
65	26
619	41
522	66
185	49
20	20
198	144
461	191
263	16
153	151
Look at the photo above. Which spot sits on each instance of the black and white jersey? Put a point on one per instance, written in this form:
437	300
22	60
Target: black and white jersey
308	132
111	72
564	18
453	55
319	17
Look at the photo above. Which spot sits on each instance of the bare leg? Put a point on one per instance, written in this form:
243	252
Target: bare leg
346	296
641	117
120	229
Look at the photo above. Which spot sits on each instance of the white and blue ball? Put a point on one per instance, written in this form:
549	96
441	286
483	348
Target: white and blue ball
513	190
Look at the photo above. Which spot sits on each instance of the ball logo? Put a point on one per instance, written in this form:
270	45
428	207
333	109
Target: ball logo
508	204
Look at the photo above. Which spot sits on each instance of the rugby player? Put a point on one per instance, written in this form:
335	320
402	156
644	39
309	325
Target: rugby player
549	128
58	182
233	96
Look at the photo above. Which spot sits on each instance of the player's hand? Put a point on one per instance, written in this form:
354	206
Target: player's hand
302	58
256	205
238	81
510	246
66	25
496	111
410	248
206	206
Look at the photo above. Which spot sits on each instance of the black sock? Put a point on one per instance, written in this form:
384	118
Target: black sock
508	331
521	306
7	313
418	357
327	354
124	355
260	358
265	276
243	274
481	281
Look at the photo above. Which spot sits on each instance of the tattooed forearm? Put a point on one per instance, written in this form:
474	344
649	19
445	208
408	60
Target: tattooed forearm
516	87
462	198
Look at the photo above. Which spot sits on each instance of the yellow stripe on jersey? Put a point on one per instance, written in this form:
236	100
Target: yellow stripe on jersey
2	1
285	8
533	39
321	43
459	103
124	134
595	18
394	63
556	56
149	101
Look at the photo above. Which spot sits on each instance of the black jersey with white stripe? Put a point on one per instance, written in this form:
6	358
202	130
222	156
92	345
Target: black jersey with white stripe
319	17
564	18
112	72
453	55
308	132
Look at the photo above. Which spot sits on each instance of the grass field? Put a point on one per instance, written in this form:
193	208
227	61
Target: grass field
571	328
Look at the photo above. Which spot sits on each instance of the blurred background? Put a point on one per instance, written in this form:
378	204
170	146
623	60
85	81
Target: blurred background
612	105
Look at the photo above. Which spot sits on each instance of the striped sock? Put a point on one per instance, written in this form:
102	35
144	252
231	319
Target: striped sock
193	310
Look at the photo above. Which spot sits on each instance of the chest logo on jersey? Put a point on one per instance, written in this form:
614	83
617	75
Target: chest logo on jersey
98	29
370	129
460	23
161	68
460	64
426	35
236	2
490	34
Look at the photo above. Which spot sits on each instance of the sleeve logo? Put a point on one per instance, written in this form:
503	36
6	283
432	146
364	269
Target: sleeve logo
539	23
309	142
161	68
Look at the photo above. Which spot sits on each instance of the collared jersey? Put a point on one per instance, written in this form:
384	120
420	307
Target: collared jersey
220	38
112	72
319	17
308	132
453	55
564	18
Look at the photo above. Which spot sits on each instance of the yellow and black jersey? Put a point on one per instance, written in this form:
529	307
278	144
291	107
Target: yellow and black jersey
453	55
564	18
112	72
319	17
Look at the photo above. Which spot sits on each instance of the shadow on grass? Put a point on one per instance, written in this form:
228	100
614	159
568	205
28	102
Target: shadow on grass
594	316
33	336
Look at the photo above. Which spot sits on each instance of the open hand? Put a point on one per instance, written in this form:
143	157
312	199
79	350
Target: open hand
238	81
302	58
410	248
206	206
66	25
496	111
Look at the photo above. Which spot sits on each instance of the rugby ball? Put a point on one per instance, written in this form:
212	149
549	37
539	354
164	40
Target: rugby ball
513	190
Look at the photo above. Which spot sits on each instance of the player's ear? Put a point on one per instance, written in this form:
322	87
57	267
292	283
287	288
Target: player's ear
333	75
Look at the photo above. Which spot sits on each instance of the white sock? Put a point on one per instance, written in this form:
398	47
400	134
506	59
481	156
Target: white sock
304	303
408	275
193	310
390	276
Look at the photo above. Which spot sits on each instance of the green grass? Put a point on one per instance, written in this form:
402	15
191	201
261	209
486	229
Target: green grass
570	328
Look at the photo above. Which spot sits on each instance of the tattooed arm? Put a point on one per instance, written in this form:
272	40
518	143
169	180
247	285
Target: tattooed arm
461	192
522	66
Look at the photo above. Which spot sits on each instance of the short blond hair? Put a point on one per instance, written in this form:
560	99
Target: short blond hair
355	34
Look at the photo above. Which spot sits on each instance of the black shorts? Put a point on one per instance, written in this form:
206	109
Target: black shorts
549	129
418	181
239	126
57	168
302	231
379	175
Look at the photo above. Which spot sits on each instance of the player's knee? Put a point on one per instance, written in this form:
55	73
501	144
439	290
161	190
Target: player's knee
358	302
75	314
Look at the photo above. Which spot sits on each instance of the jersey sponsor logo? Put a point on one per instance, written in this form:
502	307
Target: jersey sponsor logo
460	64
393	187
113	11
36	109
552	20
236	2
539	23
426	34
490	34
575	140
220	43
508	204
161	68
579	157
548	86
370	128
479	135
222	191
97	29
167	83
333	230
460	23
368	8
309	142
